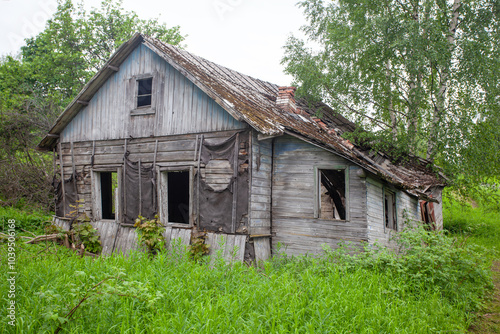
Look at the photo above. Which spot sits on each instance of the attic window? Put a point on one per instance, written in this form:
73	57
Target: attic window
331	190
144	92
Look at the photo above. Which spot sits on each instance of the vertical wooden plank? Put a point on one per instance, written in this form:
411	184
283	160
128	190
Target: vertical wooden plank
239	242
62	178
73	168
140	188
173	237
198	182
229	247
155	179
235	184
191	197
262	248
167	235
163	197
185	236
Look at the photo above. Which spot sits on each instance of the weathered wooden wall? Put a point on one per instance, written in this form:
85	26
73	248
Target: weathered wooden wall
172	151
377	233
293	222
227	246
260	197
180	106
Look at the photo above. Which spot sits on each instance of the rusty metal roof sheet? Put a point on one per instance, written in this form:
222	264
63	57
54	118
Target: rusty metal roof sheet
254	101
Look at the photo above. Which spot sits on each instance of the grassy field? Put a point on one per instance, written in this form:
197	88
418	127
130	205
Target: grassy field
479	224
436	286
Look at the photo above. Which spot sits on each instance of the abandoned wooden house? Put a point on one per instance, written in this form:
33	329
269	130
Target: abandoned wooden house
214	152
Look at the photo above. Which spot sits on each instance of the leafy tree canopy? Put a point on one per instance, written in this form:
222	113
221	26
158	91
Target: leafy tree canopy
423	75
75	44
50	70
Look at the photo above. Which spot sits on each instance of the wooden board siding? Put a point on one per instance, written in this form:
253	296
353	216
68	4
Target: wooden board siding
230	247
377	233
260	196
293	224
180	107
172	151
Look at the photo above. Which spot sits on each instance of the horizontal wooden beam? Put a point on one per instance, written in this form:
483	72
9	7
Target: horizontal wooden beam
83	103
114	68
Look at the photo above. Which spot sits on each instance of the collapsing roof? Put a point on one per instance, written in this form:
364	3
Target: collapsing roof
260	104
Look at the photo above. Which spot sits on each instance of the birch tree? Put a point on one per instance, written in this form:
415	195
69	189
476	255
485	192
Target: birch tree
421	74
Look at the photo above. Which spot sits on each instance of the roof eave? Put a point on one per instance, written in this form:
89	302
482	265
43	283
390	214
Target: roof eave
86	94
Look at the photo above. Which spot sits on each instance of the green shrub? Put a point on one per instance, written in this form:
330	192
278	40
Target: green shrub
32	220
87	235
150	233
428	261
170	294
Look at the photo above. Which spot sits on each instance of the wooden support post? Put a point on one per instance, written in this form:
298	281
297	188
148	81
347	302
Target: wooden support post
73	169
155	206
93	154
195	148
140	188
124	195
54	165
235	181
198	186
124	181
62	179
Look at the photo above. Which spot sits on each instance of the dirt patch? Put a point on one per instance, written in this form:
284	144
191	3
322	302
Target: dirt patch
489	321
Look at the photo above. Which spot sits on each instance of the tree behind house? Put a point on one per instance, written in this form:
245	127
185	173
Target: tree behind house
49	72
424	75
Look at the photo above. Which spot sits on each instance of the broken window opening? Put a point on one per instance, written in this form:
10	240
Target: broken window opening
178	188
109	185
332	189
390	216
427	215
144	92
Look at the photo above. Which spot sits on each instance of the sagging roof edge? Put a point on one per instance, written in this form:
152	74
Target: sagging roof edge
397	182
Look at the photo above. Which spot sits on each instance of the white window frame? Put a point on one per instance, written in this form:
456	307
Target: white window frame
96	193
163	194
317	189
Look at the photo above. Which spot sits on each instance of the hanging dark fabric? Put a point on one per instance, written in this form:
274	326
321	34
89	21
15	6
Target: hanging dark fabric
140	192
63	205
223	184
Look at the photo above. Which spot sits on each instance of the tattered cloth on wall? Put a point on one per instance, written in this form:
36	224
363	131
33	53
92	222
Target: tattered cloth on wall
139	192
66	200
223	184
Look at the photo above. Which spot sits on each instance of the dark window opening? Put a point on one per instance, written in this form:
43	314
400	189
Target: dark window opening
144	92
390	210
332	194
178	197
109	183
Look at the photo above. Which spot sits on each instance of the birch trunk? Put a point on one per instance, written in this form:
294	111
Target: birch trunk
439	109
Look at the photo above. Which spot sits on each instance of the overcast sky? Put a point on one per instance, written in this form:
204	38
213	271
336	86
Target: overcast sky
244	35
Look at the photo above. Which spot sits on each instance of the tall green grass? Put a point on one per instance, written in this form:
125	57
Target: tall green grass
374	292
479	224
31	219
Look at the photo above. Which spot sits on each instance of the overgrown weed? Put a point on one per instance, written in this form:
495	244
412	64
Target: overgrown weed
423	288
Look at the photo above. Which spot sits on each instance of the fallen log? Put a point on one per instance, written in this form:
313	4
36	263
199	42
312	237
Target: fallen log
43	238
